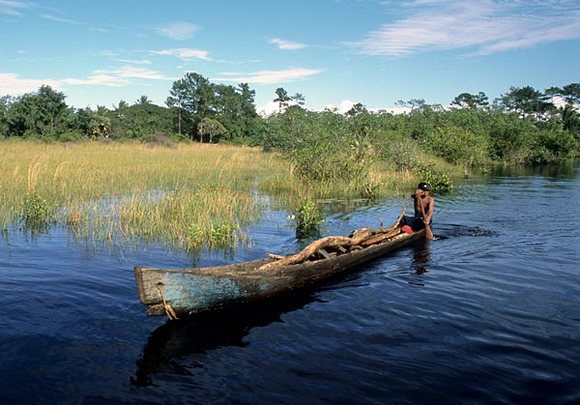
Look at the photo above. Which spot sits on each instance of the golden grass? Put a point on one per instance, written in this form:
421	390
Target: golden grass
189	196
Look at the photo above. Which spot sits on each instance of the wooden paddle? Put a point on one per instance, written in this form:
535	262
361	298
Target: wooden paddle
428	232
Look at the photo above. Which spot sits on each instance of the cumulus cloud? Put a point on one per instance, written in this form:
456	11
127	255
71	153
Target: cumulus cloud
184	53
180	30
14	85
268	76
482	26
287	45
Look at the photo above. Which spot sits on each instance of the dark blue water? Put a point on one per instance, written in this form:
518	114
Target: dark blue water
489	313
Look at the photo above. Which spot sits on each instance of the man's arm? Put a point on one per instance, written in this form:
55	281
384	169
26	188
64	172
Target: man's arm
429	208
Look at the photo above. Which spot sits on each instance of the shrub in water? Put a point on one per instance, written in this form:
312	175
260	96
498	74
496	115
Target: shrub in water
222	234
36	212
308	219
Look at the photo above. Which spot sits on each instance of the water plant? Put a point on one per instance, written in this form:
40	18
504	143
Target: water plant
308	219
36	212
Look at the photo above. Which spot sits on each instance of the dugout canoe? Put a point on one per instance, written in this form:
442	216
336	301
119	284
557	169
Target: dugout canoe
176	292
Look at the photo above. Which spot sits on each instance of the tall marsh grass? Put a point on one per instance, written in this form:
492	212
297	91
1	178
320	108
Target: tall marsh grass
188	196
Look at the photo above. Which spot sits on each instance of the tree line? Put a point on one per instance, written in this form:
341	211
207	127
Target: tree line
523	125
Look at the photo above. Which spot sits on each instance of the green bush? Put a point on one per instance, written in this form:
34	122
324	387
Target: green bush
308	219
459	146
36	212
437	180
552	146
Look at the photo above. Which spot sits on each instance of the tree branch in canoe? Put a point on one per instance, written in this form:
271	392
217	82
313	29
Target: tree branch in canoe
360	237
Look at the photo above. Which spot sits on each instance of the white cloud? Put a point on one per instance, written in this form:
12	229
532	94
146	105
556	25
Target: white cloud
486	26
59	19
184	53
12	7
286	45
99	78
180	30
118	77
135	61
268	76
12	84
140	73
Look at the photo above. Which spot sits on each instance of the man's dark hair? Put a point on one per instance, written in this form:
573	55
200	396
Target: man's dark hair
424	186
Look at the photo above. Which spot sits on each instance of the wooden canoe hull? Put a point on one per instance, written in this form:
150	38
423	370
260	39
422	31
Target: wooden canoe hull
186	291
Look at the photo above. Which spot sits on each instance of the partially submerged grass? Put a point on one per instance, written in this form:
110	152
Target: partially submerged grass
188	196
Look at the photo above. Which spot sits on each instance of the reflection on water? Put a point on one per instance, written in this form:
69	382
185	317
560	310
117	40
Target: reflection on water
421	256
566	169
169	344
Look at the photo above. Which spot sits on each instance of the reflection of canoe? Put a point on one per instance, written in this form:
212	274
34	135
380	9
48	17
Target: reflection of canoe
175	347
183	291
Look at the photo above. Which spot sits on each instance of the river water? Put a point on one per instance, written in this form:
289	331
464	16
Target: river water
488	313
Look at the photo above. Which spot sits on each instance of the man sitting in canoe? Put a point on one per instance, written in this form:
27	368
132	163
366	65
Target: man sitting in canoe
424	205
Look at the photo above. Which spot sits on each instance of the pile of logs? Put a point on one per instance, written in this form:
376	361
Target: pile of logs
335	245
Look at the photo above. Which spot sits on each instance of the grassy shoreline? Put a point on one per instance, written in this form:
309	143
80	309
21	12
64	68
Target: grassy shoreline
189	195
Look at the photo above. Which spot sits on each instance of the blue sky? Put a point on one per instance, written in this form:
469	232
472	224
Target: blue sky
332	51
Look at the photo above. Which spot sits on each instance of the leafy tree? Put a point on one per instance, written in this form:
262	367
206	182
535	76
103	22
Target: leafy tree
194	98
228	108
571	120
178	101
569	114
571	93
552	92
525	101
282	97
356	109
413	104
41	113
467	100
143	100
299	99
138	120
211	128
248	109
5	104
51	108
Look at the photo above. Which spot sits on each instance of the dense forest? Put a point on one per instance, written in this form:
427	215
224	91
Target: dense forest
522	126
